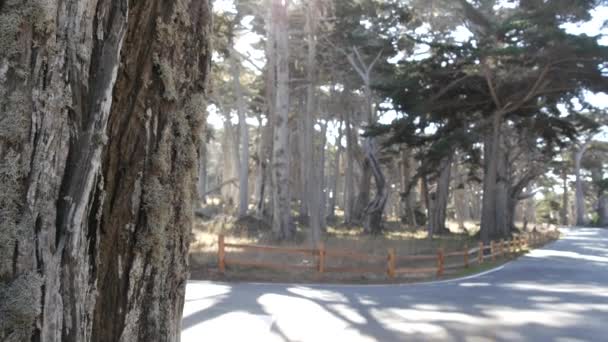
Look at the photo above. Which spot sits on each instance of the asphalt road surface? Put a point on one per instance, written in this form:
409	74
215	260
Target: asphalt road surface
557	293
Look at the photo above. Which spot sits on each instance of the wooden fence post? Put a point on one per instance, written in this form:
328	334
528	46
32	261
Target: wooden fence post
440	262
480	253
390	270
502	248
492	247
466	255
321	265
221	254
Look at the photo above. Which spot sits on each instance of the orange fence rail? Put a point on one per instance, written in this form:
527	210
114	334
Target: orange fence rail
493	250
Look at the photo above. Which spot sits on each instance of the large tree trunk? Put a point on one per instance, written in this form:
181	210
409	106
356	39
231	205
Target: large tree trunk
529	211
336	174
230	163
243	169
579	196
565	203
101	125
364	194
602	209
460	197
264	186
438	200
349	177
202	172
375	208
502	214
407	189
281	223
317	221
489	227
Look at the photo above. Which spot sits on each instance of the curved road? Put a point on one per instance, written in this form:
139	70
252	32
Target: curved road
557	293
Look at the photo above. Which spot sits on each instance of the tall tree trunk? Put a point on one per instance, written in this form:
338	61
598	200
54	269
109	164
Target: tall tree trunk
579	196
336	174
602	209
375	208
407	189
460	197
262	183
98	166
565	202
281	223
264	186
438	200
317	222
529	210
349	177
202	172
364	194
229	162
243	140
489	228
502	213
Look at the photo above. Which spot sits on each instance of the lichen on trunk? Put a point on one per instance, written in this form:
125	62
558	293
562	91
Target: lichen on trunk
98	150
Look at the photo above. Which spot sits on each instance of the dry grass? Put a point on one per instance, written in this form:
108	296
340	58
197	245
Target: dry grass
405	241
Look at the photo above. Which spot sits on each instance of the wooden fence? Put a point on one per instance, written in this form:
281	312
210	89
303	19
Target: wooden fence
467	256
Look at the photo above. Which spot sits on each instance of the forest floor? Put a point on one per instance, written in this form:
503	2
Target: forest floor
406	241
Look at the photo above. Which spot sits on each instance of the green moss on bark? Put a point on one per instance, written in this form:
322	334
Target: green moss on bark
20	306
17	14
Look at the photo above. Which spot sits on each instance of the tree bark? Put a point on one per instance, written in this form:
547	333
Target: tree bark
579	192
281	223
438	200
565	202
317	222
264	186
336	174
230	162
503	215
602	210
243	140
407	189
460	198
99	166
374	210
349	177
489	228
202	172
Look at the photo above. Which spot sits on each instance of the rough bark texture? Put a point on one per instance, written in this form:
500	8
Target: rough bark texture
243	140
336	174
281	223
602	210
565	201
317	212
438	199
264	186
375	209
461	205
101	107
489	229
349	177
407	189
579	195
230	163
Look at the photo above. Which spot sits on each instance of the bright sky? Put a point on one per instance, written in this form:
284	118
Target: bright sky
247	39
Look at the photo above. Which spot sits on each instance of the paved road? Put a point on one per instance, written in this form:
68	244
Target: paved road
558	293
